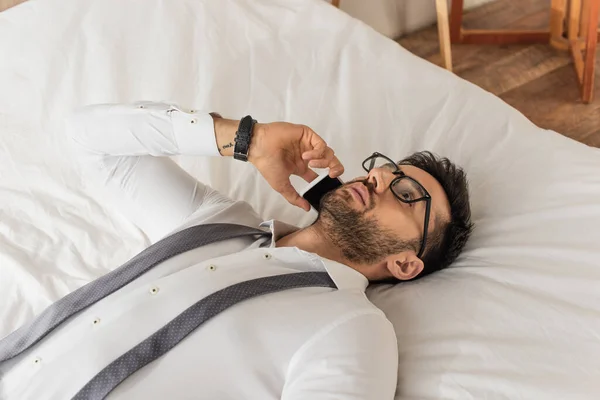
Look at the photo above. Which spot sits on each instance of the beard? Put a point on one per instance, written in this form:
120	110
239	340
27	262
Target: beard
359	237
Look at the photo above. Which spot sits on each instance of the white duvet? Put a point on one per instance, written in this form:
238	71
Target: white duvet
517	317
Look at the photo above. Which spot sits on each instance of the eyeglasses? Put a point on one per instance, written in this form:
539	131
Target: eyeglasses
405	188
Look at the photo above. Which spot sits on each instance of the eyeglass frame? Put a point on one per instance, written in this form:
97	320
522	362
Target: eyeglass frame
399	176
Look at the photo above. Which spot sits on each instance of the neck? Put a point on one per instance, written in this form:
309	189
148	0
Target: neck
313	240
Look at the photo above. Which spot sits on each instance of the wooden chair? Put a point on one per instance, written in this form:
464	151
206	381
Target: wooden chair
441	8
583	37
580	38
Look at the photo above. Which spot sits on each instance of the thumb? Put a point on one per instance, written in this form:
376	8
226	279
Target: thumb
290	194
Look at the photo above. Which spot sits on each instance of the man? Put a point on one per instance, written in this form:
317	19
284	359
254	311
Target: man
399	222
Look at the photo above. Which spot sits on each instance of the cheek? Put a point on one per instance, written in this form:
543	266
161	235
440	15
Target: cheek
395	221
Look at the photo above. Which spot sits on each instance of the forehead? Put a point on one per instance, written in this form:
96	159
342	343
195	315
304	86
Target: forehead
439	201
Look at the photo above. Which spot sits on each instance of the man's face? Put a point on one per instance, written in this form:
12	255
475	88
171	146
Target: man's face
368	223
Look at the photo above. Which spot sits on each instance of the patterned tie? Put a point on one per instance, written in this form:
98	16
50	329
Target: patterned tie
180	242
185	323
174	331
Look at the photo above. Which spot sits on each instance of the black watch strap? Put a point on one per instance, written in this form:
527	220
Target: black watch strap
243	136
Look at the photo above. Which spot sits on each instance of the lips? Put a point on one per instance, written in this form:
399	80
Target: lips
361	192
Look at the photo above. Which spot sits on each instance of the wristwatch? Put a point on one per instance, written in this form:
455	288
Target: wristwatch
243	136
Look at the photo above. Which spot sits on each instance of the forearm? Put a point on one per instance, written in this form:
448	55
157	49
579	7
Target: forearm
123	149
157	129
278	149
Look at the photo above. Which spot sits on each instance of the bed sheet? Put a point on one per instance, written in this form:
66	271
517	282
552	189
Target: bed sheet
516	317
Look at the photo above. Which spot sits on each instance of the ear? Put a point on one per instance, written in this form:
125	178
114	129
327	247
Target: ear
405	265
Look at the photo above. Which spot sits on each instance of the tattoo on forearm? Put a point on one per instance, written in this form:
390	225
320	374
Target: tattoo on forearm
228	145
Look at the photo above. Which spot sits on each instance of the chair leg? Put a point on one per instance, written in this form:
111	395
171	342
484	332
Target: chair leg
441	8
574	19
583	22
557	18
456	16
587	84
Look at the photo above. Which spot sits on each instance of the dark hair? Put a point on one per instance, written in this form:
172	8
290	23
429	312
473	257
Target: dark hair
448	239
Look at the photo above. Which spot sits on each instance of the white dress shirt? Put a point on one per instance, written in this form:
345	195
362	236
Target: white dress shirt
309	343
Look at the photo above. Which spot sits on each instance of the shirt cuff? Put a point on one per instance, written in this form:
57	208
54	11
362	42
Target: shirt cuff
194	132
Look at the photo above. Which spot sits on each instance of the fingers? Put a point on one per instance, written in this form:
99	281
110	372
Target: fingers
318	153
319	146
309	175
335	166
284	161
319	163
290	194
323	156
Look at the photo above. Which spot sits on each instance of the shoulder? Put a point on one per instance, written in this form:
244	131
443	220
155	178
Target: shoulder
365	331
368	320
356	354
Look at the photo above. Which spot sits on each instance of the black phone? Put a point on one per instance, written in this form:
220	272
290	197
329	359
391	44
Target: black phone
321	185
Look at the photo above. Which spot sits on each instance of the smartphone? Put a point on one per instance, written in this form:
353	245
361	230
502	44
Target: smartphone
321	185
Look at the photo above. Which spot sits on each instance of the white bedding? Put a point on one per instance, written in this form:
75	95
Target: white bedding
517	317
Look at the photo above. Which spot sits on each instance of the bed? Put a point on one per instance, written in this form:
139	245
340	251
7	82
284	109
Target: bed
516	317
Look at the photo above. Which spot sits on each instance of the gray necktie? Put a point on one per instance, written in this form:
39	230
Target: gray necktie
177	329
185	323
180	242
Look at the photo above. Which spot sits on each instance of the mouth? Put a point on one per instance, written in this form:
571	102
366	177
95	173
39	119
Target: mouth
360	193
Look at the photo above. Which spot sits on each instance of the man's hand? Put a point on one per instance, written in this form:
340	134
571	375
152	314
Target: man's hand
279	150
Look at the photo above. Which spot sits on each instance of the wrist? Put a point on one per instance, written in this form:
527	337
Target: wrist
258	135
225	130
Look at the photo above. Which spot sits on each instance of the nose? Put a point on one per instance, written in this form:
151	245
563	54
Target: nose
380	178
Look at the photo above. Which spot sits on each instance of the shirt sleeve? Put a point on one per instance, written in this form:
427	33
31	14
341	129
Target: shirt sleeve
357	359
125	149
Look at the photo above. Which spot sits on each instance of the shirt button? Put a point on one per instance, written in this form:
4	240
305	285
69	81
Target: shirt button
211	267
37	360
96	321
267	256
192	111
141	106
193	121
154	290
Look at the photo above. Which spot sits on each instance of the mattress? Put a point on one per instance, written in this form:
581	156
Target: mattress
516	317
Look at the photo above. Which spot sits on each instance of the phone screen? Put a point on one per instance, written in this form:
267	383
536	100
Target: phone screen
314	194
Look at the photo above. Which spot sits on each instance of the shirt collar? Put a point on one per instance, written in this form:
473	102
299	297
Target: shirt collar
343	276
278	229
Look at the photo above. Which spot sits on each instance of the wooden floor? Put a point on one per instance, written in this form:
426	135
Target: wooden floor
537	80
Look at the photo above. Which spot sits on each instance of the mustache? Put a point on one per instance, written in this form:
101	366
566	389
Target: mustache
370	187
327	208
